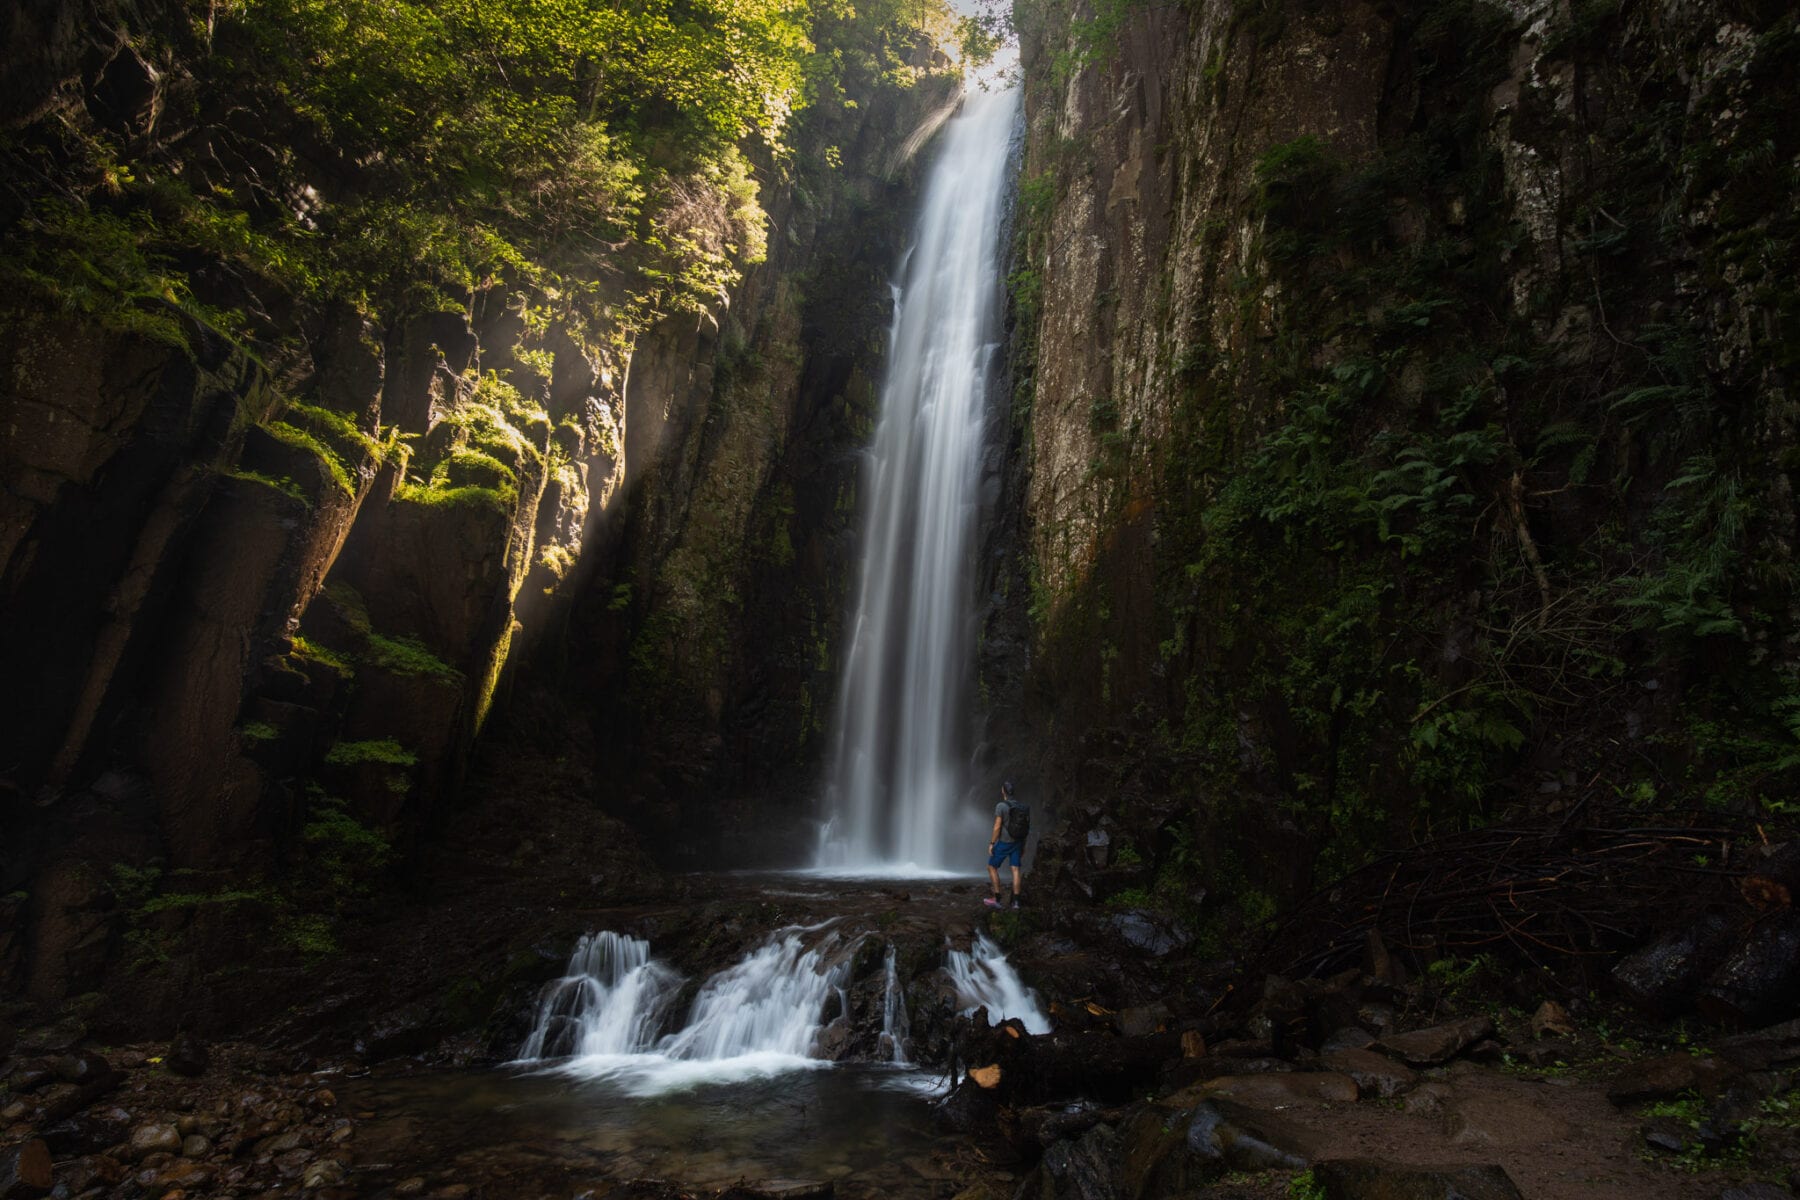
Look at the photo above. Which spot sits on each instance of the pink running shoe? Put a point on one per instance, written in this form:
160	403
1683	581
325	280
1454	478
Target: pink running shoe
992	901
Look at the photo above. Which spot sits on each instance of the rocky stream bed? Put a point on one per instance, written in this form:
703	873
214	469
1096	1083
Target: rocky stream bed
1363	1086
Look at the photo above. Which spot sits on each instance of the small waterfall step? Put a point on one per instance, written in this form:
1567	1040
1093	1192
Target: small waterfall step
984	979
605	1018
612	1018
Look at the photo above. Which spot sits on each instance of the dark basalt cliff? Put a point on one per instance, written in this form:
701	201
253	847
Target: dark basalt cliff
1399	441
264	589
1406	427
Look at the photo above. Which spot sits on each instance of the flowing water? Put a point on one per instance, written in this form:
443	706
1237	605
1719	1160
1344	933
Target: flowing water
897	788
604	1019
618	1079
984	979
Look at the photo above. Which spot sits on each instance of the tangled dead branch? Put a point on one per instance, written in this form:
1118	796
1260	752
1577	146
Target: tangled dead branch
1543	895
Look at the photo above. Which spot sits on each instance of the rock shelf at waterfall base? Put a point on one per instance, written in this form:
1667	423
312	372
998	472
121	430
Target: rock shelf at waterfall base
1564	1101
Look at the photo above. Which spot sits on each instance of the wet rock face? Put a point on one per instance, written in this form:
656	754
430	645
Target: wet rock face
1174	332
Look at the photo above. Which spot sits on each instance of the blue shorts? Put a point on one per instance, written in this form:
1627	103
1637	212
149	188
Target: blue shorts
1004	851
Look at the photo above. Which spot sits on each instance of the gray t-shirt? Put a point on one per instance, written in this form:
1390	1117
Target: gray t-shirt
1000	810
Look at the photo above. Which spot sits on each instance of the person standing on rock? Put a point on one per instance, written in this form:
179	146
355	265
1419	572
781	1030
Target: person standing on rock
1012	822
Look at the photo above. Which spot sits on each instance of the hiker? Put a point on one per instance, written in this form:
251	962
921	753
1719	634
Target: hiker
1012	821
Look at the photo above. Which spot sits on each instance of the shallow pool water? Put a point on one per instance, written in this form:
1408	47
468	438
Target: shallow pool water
866	1128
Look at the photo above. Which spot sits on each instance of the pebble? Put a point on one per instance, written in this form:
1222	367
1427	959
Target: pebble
324	1172
152	1138
410	1187
196	1145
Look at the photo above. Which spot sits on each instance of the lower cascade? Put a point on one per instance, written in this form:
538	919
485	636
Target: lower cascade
604	1019
984	979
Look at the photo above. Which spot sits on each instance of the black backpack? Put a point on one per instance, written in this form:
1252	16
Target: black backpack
1018	821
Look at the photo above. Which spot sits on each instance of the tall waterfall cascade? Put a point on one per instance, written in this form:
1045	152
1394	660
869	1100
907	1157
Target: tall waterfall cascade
984	979
897	786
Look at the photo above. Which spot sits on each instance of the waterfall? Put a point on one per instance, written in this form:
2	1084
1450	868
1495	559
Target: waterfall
612	1000
895	1026
984	978
603	1019
896	790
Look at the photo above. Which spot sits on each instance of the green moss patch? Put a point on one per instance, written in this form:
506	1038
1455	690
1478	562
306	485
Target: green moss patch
385	751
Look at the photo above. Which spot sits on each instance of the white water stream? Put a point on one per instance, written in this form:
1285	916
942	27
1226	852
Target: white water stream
984	979
604	1019
897	788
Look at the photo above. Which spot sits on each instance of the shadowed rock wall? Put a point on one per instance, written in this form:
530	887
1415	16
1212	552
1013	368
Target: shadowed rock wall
1406	426
255	609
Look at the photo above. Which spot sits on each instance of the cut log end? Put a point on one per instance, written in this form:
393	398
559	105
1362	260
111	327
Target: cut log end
987	1077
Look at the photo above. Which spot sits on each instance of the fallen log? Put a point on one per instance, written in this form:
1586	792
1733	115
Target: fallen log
1022	1070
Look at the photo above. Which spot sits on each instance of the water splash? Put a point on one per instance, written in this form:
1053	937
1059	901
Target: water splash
612	1000
984	979
755	1019
896	1027
897	784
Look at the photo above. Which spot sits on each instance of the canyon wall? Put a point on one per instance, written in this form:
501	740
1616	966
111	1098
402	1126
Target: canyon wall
265	581
1405	427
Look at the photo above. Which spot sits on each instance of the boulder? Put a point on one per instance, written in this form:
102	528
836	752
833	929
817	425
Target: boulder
1285	1089
187	1056
1502	1120
1774	1048
1242	1139
25	1170
154	1138
1437	1044
88	1132
1144	1021
1375	1074
1667	1076
1350	1037
1374	1179
1760	981
1665	976
1756	1191
1667	1135
83	1067
1551	1019
1080	1170
1149	934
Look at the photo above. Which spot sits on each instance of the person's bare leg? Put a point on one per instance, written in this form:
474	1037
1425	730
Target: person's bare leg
1015	872
994	879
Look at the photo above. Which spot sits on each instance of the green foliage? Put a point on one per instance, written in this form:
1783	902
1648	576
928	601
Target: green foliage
592	155
258	731
343	856
380	750
408	656
1305	1186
